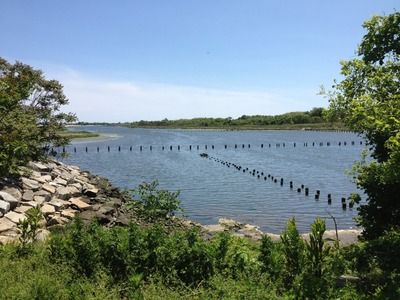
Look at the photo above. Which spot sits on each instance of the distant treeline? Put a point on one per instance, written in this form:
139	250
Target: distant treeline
312	117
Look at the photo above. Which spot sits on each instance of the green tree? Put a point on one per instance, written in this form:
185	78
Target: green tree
30	117
368	101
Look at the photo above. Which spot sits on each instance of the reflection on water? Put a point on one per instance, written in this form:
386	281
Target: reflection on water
210	190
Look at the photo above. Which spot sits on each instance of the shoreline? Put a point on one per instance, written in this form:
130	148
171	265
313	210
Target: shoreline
63	191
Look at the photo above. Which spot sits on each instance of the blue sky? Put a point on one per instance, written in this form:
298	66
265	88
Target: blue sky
133	60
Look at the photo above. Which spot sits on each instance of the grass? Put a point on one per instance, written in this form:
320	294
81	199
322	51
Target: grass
78	134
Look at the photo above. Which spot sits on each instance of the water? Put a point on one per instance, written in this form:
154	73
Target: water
210	190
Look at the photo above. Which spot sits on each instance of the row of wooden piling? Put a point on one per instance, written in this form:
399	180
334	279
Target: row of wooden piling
212	147
265	176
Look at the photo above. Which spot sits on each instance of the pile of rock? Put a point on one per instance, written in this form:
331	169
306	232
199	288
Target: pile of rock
61	191
236	228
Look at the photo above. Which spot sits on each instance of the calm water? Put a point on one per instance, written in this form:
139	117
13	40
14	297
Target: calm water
210	190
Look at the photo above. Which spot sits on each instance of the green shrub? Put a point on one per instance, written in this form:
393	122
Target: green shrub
292	247
157	203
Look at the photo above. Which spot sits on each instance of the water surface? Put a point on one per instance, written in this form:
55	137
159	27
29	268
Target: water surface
210	190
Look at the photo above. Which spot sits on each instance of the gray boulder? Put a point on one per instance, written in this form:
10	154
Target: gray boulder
10	199
4	207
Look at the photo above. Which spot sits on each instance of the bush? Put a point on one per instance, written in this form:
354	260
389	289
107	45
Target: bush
157	203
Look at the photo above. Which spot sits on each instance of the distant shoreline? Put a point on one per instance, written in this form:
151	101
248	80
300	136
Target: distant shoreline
304	127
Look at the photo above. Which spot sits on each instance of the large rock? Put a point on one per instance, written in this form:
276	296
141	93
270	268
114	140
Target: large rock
30	184
80	204
59	203
49	188
10	199
23	208
15	217
69	178
43	179
57	220
60	181
90	215
28	195
4	207
13	191
37	166
90	192
69	213
47	209
39	199
230	224
67	192
6	225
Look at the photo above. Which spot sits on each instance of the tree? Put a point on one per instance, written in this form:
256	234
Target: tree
368	101
30	117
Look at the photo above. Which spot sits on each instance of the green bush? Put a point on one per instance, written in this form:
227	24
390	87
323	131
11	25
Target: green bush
157	203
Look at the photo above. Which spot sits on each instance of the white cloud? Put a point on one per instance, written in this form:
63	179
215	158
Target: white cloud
109	100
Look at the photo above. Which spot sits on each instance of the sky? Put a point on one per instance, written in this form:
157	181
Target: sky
148	60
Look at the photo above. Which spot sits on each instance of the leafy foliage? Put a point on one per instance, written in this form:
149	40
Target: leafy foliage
29	228
292	247
30	116
157	203
316	115
368	101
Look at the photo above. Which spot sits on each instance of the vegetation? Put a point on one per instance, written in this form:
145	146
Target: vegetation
367	100
87	261
78	134
293	120
30	119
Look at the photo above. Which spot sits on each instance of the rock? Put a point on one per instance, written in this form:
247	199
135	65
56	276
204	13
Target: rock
22	209
90	192
67	192
32	204
41	193
80	204
6	239
75	172
4	206
47	209
28	195
13	192
15	217
230	224
49	188
77	185
115	202
9	198
213	228
30	184
90	215
6	225
69	178
81	179
60	181
122	220
42	235
59	204
57	220
37	166
69	213
106	210
39	199
43	179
